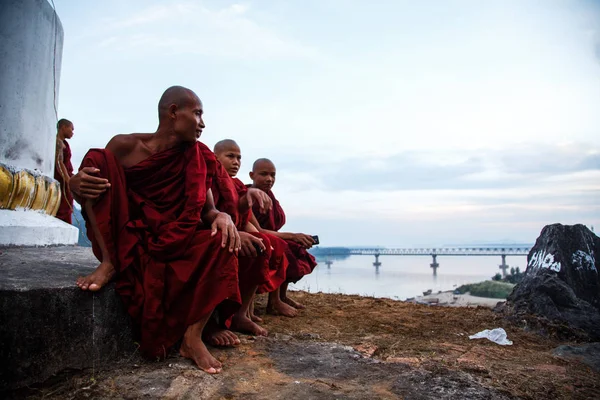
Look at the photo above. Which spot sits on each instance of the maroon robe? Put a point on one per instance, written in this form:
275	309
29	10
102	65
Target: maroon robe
278	263
301	262
66	199
253	271
170	272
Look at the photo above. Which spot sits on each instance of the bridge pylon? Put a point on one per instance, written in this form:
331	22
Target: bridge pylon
377	263
503	266
434	264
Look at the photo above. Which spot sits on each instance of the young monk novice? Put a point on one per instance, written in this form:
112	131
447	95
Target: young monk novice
173	255
229	155
301	262
63	170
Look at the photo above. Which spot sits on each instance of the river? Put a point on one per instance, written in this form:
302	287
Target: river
401	277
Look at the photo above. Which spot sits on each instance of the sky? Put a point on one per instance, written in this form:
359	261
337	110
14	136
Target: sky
391	123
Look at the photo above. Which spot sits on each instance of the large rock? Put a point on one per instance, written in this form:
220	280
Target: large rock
561	283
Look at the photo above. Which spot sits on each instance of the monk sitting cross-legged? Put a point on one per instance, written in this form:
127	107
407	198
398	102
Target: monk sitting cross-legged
271	251
148	229
301	262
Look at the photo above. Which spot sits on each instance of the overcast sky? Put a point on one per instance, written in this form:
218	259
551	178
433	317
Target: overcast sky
394	123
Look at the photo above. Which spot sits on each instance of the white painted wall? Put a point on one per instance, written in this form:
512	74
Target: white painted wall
31	38
32	228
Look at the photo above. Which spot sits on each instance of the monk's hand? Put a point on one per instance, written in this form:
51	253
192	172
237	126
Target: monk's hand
251	245
259	197
303	239
229	234
86	185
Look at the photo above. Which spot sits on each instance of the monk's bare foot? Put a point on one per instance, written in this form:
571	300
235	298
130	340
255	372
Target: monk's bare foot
293	303
215	335
221	337
281	308
193	348
97	279
255	318
241	323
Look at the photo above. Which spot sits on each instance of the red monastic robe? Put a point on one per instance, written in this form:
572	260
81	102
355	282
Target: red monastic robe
264	270
278	262
66	199
170	272
301	262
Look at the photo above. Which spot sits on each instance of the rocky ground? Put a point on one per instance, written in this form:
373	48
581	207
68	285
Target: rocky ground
352	347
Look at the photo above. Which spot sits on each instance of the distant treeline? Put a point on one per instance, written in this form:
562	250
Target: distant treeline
330	251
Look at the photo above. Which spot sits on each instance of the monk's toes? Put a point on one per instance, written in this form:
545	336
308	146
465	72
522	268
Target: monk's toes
94	287
210	370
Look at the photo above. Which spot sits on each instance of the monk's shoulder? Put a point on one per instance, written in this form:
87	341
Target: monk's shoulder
122	145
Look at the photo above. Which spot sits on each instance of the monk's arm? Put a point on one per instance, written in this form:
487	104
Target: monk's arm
250	228
252	196
220	221
85	185
62	169
301	238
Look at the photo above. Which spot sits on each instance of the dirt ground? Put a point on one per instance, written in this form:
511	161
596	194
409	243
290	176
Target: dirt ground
356	348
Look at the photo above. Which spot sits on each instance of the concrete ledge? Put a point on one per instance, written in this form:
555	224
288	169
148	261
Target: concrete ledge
48	324
34	228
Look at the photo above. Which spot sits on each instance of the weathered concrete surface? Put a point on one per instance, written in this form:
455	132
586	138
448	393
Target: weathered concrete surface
31	38
47	323
561	283
271	368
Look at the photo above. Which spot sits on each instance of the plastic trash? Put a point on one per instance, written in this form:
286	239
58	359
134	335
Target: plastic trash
497	335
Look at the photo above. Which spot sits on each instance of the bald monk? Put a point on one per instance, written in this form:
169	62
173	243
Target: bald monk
229	155
63	170
153	225
301	262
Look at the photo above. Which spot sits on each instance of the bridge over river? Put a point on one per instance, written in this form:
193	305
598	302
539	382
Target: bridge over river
434	253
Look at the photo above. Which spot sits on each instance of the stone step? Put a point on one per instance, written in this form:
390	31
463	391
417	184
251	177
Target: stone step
48	324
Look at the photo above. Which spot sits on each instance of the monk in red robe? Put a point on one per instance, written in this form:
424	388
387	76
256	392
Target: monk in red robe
173	255
63	170
301	262
273	252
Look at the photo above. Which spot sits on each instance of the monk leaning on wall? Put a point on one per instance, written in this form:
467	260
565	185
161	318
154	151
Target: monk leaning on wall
153	225
63	170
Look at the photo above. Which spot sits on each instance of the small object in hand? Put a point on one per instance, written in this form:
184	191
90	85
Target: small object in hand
315	238
259	249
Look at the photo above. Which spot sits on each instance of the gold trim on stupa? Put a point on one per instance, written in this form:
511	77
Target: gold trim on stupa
28	190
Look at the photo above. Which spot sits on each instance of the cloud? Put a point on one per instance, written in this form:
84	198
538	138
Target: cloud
187	27
517	167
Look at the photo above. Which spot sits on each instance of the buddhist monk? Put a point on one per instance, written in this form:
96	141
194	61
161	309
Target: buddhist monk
63	170
301	262
229	155
153	225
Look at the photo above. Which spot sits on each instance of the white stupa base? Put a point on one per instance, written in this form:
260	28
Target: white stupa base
33	228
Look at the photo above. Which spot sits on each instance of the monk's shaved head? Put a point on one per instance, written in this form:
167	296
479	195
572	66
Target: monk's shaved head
225	145
262	162
177	95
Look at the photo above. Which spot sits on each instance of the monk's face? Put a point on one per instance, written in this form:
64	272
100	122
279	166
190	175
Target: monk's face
189	123
67	131
263	176
231	158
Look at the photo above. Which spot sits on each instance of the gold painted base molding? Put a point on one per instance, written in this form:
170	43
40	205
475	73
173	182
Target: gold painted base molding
28	190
